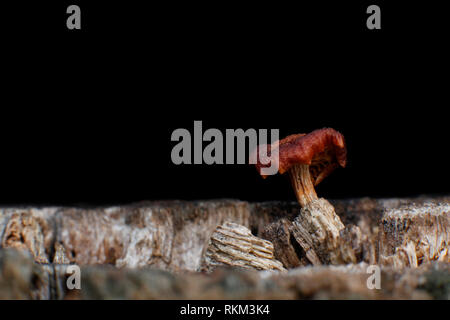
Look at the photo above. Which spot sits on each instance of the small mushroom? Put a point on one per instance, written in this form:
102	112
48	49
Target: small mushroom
308	159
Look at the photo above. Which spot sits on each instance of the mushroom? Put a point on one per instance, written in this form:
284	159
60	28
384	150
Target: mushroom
308	159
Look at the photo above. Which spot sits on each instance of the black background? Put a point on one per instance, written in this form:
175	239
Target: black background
87	114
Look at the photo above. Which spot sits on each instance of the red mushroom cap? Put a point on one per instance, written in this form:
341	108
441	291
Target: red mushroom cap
323	150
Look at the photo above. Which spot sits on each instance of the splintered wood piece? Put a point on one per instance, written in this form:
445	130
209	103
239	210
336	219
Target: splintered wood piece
234	245
412	235
286	248
323	237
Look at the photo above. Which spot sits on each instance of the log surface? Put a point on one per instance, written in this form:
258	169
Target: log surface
170	238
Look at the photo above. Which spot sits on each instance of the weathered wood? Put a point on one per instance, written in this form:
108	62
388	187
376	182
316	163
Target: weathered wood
318	231
168	235
316	236
24	230
21	278
286	247
173	235
233	245
412	235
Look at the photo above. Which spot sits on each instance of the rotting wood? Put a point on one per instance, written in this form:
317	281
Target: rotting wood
286	248
21	278
318	230
233	245
412	235
172	235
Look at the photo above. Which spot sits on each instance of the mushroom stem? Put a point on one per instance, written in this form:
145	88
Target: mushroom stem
302	184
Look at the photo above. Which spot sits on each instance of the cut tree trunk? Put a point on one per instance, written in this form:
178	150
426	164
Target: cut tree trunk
396	234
